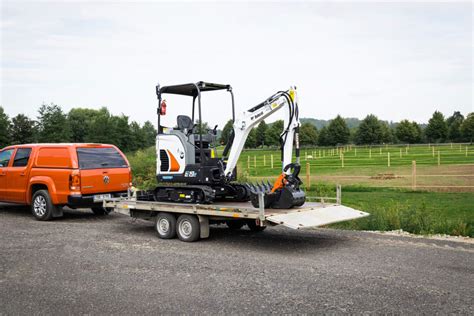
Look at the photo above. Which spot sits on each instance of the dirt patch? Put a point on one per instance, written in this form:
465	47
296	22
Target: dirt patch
385	176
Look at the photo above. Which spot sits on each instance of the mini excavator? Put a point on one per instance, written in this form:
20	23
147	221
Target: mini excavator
189	169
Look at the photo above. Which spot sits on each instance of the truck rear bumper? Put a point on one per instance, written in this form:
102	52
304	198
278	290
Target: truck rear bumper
78	201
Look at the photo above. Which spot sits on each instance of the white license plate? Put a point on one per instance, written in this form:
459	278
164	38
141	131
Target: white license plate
101	197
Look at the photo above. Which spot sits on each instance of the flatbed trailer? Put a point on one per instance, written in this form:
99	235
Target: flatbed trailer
190	222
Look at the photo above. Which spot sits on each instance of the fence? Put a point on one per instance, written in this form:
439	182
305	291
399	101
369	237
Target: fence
443	166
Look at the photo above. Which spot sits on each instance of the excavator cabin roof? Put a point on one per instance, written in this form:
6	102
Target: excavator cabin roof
192	89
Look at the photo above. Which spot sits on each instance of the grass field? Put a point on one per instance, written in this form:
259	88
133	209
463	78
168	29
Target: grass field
385	166
390	204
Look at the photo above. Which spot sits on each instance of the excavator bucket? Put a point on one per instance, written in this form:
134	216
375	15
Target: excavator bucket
284	193
283	198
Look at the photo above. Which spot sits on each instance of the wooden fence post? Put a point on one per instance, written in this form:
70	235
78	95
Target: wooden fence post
271	161
248	162
370	153
342	160
380	151
466	151
255	161
264	161
355	151
460	147
406	150
413	175
432	150
439	159
451	145
400	153
388	159
308	175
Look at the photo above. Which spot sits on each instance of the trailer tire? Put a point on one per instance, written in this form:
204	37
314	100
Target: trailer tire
188	228
235	225
252	225
165	225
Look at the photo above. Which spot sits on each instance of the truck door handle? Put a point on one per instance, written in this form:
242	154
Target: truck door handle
22	174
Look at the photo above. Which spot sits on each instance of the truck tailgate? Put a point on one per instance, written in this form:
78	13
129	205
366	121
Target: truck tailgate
315	217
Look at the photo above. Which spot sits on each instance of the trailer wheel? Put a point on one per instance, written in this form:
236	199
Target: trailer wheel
235	225
188	228
252	225
165	225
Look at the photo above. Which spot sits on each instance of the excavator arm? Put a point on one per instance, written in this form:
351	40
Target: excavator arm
285	191
287	100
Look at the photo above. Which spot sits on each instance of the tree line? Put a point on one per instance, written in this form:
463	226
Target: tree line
84	125
370	131
79	125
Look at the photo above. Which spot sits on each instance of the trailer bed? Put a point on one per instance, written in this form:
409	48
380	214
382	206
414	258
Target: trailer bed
311	214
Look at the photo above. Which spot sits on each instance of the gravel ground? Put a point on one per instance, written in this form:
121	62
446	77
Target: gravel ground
111	265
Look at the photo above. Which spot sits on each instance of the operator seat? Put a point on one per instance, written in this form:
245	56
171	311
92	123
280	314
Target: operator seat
185	124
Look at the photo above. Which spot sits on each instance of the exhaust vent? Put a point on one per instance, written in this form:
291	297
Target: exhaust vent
165	160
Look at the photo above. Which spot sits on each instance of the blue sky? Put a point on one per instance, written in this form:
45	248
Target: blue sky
395	60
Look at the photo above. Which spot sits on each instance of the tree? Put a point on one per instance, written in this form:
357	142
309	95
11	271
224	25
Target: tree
338	132
22	130
201	128
467	128
4	128
226	132
437	129
308	134
261	131
454	123
323	137
408	132
53	124
80	121
370	131
251	141
387	133
272	135
149	134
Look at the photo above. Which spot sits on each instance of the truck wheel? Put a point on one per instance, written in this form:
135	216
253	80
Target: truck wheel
188	228
165	225
252	225
41	206
235	225
101	211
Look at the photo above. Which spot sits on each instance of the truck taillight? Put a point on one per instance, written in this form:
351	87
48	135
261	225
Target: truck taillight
75	180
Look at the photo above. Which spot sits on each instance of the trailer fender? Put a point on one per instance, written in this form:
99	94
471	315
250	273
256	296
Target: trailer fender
204	224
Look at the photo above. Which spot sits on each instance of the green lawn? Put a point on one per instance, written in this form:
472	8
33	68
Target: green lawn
416	212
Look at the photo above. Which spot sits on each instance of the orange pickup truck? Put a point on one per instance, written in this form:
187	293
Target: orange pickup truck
50	176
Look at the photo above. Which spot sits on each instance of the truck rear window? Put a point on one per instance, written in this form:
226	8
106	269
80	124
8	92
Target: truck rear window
99	158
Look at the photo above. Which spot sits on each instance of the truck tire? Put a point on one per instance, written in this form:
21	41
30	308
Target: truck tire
101	211
165	225
41	206
252	225
188	228
235	225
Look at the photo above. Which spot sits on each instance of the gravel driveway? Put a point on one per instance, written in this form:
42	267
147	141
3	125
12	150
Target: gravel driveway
110	265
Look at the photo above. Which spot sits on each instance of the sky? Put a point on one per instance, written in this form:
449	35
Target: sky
397	60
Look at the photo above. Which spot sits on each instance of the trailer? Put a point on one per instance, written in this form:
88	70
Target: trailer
190	221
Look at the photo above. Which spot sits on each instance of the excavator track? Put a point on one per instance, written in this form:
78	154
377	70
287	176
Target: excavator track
184	194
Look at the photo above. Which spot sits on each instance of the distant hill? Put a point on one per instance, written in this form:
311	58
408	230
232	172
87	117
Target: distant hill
351	122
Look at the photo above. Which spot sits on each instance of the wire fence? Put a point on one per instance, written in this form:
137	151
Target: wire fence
424	166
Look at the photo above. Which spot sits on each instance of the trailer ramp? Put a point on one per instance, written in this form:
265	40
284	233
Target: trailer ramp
315	217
